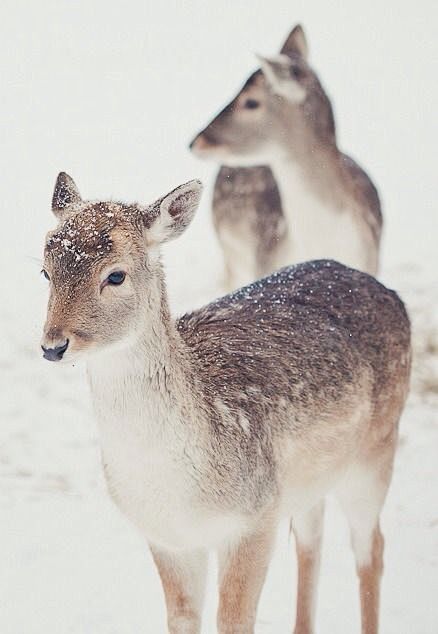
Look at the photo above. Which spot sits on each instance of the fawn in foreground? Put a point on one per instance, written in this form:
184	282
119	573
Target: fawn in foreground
216	425
325	204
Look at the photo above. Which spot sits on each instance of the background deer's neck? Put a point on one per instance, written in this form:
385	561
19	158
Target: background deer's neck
319	211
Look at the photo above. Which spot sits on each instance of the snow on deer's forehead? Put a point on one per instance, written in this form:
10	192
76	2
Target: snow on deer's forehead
85	237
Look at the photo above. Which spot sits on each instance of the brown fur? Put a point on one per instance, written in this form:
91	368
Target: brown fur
247	211
369	579
308	540
242	574
182	610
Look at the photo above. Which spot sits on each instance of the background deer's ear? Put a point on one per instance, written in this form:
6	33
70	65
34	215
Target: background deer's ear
66	195
282	75
296	43
169	216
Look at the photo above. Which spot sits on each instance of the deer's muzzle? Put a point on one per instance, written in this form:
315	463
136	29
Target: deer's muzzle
56	353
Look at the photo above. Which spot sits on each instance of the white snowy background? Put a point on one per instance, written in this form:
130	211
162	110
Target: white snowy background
112	93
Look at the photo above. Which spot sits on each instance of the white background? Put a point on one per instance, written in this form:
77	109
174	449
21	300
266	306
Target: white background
112	92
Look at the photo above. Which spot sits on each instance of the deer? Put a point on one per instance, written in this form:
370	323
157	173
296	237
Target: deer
216	425
282	168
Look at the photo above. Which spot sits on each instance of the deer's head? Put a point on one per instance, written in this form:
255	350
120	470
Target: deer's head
102	262
280	105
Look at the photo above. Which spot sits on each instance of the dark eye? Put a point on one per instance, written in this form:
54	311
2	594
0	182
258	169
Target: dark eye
251	104
296	72
46	275
116	278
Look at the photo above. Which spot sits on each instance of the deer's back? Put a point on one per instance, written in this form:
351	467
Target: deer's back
240	190
305	334
300	372
366	195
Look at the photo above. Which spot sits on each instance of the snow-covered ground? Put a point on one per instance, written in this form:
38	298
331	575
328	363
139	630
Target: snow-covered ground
112	93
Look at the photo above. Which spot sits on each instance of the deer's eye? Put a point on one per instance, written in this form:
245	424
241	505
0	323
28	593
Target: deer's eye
116	278
251	104
46	275
296	72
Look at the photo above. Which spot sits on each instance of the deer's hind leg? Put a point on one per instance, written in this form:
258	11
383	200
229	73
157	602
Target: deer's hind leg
308	529
183	578
242	572
362	496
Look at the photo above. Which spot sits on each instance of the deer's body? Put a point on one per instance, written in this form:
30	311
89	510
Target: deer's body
216	425
240	393
329	207
250	224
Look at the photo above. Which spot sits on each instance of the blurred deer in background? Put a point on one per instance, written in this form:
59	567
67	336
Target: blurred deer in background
216	425
325	204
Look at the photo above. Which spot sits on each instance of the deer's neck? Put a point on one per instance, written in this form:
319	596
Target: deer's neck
153	437
319	211
308	165
138	388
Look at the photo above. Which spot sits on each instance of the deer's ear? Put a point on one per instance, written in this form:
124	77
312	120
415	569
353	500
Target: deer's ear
283	76
170	215
296	43
65	196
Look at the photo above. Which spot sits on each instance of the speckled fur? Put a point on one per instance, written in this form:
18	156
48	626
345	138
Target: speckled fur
215	425
305	343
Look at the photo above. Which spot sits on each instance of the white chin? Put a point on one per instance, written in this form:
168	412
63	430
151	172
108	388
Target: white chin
244	160
224	156
211	154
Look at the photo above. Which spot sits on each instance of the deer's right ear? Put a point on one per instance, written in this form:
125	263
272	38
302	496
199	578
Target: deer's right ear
65	196
169	216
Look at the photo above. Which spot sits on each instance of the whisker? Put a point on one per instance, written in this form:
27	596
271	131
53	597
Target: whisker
34	260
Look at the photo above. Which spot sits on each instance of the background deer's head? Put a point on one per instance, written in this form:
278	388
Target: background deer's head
281	107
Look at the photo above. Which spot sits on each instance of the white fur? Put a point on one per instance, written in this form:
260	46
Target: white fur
149	452
275	69
241	253
361	493
318	229
148	455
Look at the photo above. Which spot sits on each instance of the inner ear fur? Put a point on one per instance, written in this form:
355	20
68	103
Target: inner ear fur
65	195
170	215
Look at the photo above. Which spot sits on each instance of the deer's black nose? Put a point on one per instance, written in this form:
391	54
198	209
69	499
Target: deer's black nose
55	354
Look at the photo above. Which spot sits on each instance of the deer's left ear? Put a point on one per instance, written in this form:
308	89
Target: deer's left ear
65	196
170	215
296	43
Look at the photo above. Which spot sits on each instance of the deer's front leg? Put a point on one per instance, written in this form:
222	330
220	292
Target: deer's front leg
242	572
183	578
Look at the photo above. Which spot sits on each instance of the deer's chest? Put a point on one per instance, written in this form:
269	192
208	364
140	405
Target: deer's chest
318	228
157	486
